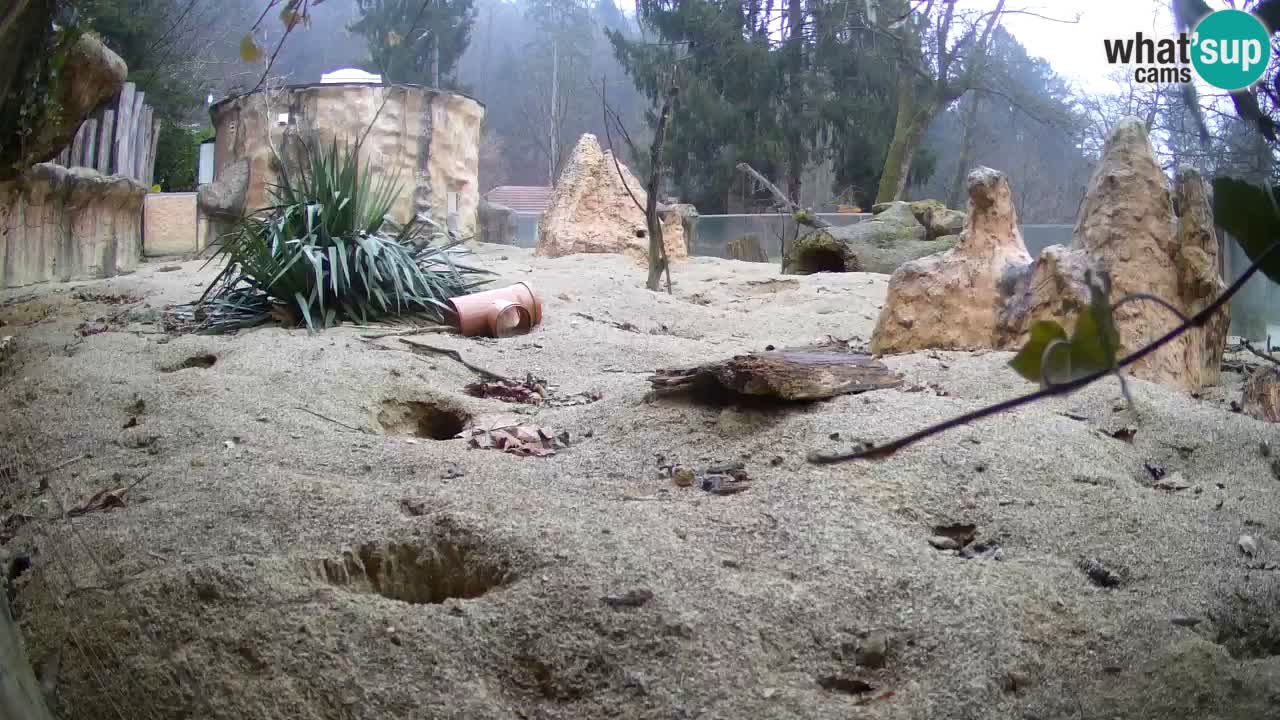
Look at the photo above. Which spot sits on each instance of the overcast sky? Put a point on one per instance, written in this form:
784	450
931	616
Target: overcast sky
1075	50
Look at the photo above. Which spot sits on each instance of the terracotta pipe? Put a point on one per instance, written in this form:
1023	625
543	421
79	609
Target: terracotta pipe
501	312
471	314
507	319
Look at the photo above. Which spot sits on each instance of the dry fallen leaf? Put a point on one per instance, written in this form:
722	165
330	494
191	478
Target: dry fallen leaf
523	440
101	500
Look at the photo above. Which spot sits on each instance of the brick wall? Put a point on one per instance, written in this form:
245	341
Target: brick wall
169	224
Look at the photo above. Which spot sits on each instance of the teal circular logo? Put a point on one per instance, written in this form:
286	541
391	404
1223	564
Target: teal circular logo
1231	49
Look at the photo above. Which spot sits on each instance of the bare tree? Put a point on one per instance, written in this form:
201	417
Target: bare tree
935	68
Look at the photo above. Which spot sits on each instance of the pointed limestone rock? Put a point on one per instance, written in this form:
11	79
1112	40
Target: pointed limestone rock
957	300
1199	279
594	210
1128	224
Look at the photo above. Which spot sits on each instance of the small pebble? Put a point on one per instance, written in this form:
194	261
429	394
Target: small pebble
682	476
630	599
1248	545
1015	681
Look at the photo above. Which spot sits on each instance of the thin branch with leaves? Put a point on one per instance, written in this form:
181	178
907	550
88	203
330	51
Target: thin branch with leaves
1200	319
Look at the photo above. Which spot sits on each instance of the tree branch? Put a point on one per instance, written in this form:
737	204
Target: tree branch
802	216
1199	320
604	102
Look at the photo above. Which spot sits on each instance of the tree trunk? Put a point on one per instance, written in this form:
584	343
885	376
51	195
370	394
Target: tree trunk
914	115
657	248
955	196
553	132
795	63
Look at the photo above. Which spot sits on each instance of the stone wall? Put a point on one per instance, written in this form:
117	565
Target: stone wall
169	225
68	224
428	139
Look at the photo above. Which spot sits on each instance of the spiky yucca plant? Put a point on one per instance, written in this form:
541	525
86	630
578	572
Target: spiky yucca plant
325	252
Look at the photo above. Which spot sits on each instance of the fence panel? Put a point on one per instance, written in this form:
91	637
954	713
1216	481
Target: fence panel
118	139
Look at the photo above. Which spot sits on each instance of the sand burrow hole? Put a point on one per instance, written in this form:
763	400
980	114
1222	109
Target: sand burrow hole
818	260
422	418
203	361
417	573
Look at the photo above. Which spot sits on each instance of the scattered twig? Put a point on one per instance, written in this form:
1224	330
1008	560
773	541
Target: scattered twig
63	464
335	422
411	331
419	348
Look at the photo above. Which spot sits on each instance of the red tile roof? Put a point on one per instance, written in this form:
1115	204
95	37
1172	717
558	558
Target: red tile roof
521	198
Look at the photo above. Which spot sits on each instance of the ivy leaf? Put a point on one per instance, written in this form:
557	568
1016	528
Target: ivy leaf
1092	347
1095	341
1247	214
249	50
1028	361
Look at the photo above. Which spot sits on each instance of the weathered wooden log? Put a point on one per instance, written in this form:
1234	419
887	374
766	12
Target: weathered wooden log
1261	397
858	248
799	374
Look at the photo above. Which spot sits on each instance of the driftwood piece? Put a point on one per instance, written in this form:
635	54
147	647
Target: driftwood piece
1261	397
799	374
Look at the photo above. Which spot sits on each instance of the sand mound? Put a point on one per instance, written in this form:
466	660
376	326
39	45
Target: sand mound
299	542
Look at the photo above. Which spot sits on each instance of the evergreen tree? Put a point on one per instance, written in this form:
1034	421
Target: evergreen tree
415	41
781	87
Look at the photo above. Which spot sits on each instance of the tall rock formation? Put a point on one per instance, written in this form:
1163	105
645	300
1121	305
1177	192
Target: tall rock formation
596	209
987	292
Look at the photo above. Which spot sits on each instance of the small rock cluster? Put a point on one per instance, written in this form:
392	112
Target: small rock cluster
898	232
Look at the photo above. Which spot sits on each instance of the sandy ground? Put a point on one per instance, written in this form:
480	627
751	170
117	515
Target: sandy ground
271	563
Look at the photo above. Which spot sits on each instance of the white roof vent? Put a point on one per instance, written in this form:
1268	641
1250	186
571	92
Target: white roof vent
350	75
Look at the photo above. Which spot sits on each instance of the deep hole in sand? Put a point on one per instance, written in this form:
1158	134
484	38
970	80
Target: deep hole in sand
418	418
962	533
426	573
204	362
818	260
